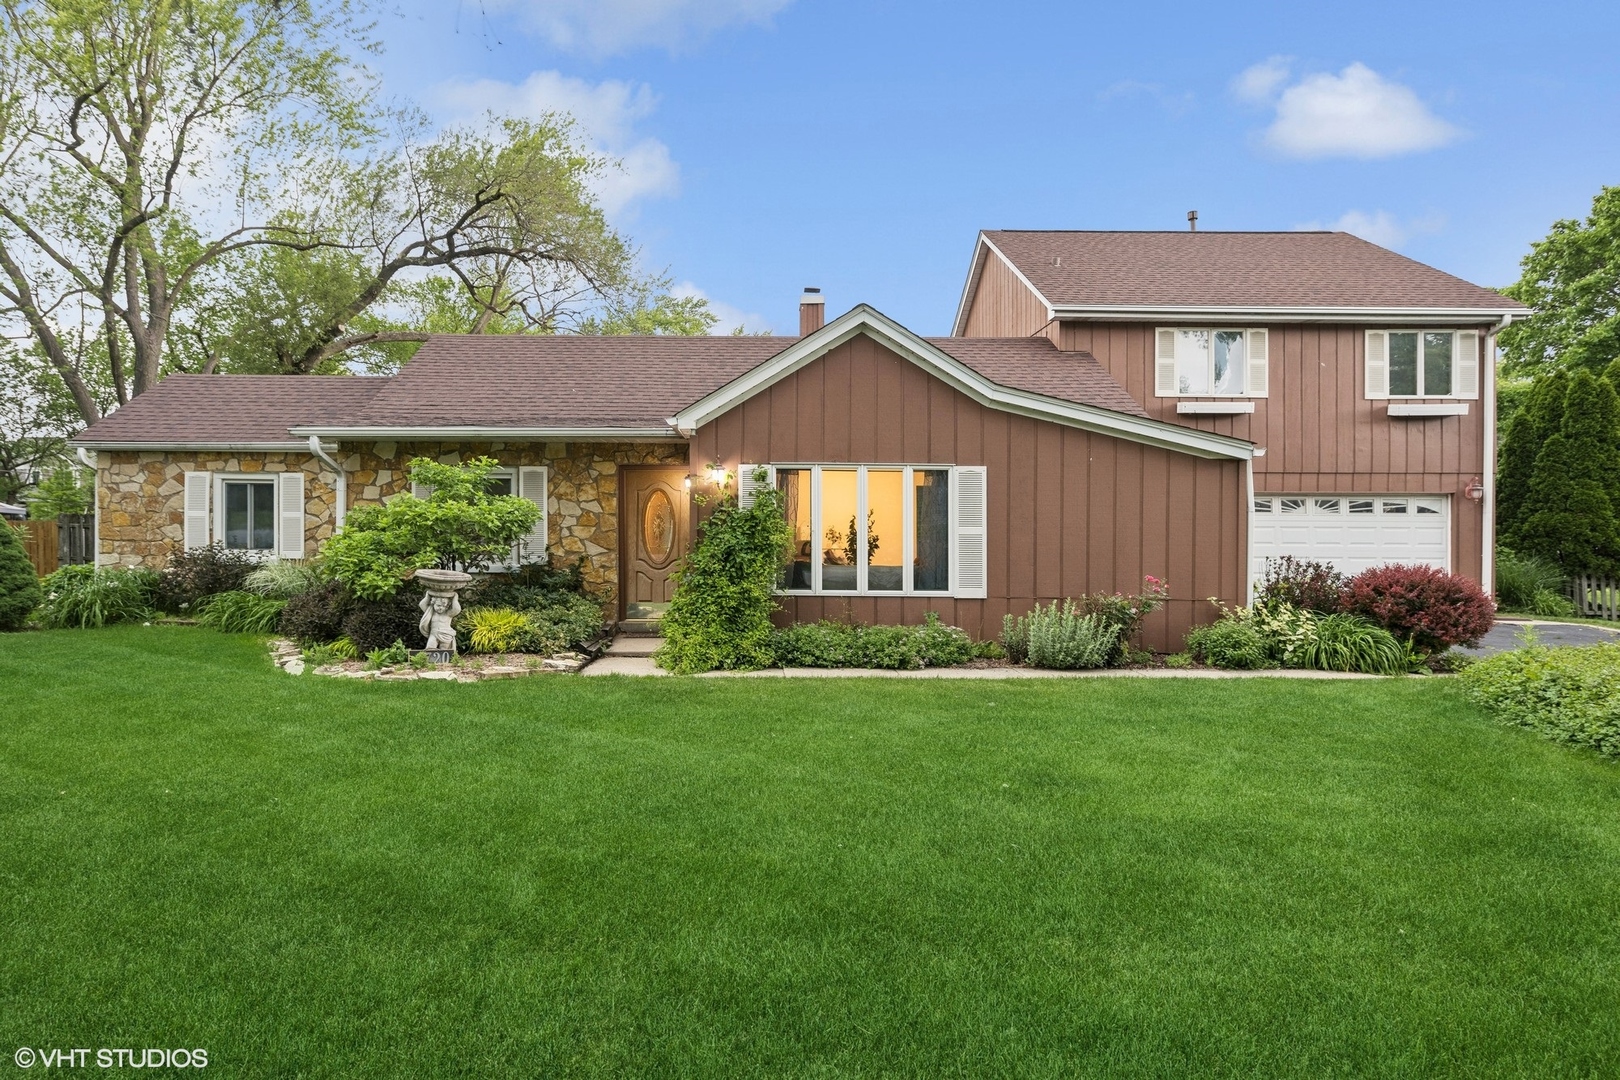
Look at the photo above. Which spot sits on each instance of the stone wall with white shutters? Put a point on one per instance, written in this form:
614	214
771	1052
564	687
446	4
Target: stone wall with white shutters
141	497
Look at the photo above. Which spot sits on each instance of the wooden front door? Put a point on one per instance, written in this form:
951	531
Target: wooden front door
653	513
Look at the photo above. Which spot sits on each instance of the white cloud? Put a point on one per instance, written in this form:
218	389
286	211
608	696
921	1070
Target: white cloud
1380	226
603	27
1259	82
1356	113
730	317
1174	103
607	113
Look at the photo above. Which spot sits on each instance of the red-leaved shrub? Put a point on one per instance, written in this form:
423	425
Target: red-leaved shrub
1430	608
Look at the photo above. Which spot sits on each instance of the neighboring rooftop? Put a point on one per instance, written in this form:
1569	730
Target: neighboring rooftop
533	381
1250	270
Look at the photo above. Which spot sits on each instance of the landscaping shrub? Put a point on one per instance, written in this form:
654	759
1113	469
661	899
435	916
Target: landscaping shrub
1230	643
1520	578
87	596
240	612
459	526
283	579
377	624
1302	584
567	622
835	645
20	593
1427	607
1569	694
725	590
1062	637
1350	643
495	630
1551	605
1287	630
1121	611
317	615
388	655
529	588
208	571
331	652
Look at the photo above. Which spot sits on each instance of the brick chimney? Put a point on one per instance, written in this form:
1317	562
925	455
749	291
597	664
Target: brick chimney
812	311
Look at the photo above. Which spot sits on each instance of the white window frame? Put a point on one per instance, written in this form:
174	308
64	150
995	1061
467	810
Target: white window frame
908	513
217	531
1452	394
1249	388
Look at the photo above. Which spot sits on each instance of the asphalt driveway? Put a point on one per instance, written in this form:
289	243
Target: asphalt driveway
1509	635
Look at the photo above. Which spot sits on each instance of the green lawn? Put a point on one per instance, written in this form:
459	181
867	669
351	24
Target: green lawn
677	877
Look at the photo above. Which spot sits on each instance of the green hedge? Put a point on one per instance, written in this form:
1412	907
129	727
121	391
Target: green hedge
839	645
1571	694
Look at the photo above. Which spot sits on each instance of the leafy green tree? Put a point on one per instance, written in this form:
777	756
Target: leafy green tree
1574	489
1538	420
37	417
62	492
459	526
725	589
649	308
20	593
1572	280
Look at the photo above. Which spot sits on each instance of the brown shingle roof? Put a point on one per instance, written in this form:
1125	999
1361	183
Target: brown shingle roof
218	409
537	381
1036	365
1232	269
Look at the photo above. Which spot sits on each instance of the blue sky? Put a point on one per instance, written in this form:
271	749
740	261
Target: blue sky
773	144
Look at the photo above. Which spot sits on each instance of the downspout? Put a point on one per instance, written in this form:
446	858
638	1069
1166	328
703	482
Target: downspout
87	458
342	508
1248	534
1487	521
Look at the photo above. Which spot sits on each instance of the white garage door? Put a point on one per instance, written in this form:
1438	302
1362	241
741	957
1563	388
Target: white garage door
1353	532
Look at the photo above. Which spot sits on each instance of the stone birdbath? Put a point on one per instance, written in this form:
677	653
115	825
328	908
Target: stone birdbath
440	605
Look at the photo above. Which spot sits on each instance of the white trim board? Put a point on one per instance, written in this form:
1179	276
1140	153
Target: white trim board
864	319
1452	408
480	432
970	289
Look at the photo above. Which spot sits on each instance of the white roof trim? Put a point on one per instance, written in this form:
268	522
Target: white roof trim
579	434
970	288
154	447
863	319
1415	315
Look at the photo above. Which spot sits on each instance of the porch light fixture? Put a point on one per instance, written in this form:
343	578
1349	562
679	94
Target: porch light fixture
717	475
1475	491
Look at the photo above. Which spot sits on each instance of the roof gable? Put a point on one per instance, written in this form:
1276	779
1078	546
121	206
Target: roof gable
1075	272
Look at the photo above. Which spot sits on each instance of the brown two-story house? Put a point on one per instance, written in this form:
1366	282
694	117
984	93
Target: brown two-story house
1110	406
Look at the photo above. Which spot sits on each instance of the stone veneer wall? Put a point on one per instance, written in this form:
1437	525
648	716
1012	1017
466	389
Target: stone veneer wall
141	496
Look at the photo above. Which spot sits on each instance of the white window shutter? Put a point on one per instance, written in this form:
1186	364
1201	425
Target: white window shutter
420	491
290	514
1465	373
199	487
972	578
1164	364
747	485
1259	363
1377	366
532	483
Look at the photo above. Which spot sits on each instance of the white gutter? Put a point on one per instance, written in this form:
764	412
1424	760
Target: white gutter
319	451
153	447
1250	313
577	434
87	458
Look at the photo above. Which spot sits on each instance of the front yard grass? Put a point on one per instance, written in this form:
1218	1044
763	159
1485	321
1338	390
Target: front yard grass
735	877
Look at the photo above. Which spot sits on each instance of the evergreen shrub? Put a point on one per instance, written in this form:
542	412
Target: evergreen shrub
841	645
20	591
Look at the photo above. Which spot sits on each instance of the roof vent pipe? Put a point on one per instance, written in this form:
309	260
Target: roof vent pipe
812	311
1192	221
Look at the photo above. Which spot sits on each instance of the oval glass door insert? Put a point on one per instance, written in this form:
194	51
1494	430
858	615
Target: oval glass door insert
658	526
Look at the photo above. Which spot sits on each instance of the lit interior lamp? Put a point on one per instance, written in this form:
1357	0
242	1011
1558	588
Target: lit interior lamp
717	476
1475	490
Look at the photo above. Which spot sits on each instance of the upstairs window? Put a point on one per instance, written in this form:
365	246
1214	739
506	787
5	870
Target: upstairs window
1422	364
1210	362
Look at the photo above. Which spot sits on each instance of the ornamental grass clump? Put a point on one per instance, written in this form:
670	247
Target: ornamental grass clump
1348	643
85	597
725	589
20	593
241	613
284	579
1571	694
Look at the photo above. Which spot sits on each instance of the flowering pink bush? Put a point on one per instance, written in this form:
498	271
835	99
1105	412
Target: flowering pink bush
1430	608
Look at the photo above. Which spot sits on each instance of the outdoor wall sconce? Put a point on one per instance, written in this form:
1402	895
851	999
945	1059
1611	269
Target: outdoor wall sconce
717	475
1475	490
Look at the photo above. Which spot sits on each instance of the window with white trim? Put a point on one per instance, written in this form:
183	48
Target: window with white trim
1422	364
1211	362
872	529
247	516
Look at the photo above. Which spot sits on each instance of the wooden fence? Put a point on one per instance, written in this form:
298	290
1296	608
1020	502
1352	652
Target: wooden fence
67	541
1598	598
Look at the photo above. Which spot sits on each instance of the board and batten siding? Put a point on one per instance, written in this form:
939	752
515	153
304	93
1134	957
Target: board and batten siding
1002	305
1319	430
1069	511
